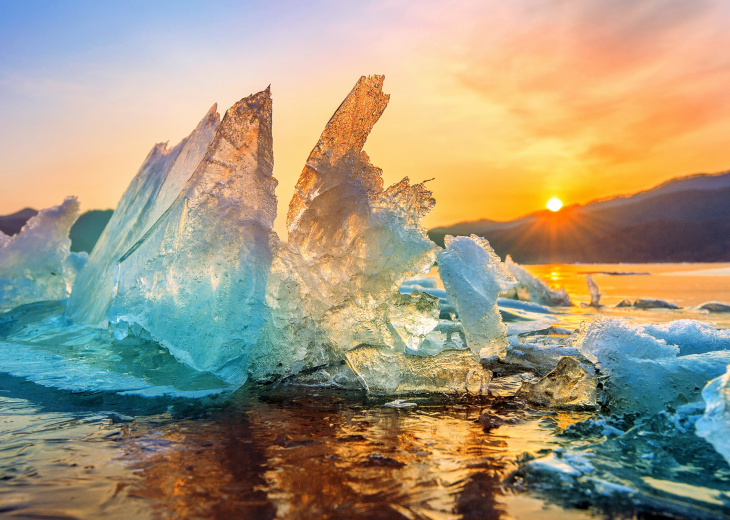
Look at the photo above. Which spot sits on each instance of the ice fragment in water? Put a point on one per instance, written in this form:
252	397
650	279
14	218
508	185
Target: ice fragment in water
569	385
714	307
352	243
595	293
538	290
474	276
714	425
150	194
650	303
196	280
392	373
650	367
36	264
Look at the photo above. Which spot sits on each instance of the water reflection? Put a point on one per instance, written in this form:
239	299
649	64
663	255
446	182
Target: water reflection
325	455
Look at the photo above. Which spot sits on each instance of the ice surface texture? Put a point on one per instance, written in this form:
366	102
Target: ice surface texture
474	276
150	194
537	290
714	425
196	280
352	243
36	264
652	366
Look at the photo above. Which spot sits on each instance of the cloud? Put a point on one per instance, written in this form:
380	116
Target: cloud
613	79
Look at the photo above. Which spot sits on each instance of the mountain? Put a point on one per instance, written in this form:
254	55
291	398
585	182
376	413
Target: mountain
84	233
12	224
686	219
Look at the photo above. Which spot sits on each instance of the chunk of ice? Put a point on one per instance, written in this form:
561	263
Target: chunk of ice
595	293
196	280
474	276
36	264
650	367
393	373
351	245
714	425
150	194
569	385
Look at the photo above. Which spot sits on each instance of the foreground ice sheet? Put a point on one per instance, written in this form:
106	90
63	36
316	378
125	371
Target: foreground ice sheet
474	276
652	366
537	290
150	194
196	280
36	264
714	425
352	243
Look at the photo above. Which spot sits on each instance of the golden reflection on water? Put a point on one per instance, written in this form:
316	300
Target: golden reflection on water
321	456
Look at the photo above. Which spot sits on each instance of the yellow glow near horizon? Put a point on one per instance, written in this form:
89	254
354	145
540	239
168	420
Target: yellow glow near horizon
554	204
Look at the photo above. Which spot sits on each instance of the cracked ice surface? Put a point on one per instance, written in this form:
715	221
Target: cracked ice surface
196	280
36	264
474	276
352	242
157	184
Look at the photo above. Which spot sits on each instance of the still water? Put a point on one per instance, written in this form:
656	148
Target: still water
291	452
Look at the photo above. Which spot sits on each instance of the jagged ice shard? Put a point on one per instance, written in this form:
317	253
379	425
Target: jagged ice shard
537	290
196	280
714	425
474	276
150	194
36	264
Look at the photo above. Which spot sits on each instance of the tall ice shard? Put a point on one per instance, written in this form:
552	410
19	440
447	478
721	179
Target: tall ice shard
157	184
196	280
352	242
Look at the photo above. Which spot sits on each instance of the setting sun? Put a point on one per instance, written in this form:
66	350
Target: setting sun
554	204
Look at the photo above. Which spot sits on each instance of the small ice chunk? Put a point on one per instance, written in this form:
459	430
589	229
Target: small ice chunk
714	425
474	276
392	373
36	264
652	303
538	290
595	293
569	385
400	403
714	307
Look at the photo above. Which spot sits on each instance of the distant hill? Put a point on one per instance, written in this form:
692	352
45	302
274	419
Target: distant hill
686	219
88	228
12	224
84	233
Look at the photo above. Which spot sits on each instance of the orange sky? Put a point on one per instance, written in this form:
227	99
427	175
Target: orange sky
506	104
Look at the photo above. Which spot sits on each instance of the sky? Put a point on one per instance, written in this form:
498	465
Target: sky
504	104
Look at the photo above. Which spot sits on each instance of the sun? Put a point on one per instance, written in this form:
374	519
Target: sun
554	204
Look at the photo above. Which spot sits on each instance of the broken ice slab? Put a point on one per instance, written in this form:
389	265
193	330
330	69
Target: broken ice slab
595	293
714	307
196	280
569	385
714	425
392	373
537	290
150	194
652	303
474	276
652	366
36	264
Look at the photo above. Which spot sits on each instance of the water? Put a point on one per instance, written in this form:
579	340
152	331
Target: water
293	452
